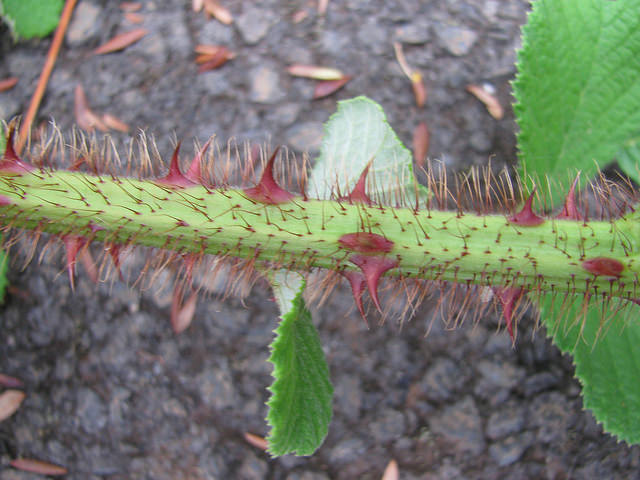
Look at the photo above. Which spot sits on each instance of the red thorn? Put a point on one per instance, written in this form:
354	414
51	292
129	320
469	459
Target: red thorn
608	267
358	194
182	313
175	178
526	217
267	190
373	268
363	242
508	297
72	245
357	282
114	251
570	210
10	161
194	173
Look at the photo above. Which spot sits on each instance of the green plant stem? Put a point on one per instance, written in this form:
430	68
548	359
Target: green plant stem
304	234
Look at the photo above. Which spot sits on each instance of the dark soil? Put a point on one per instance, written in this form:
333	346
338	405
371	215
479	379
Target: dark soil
112	393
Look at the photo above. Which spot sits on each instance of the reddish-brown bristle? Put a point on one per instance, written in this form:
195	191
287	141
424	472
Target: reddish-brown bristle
526	217
182	313
357	283
359	194
363	242
267	190
373	267
10	161
570	209
508	297
608	267
194	174
175	177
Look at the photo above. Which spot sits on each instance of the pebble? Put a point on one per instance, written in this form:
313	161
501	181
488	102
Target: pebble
252	468
415	33
91	411
552	414
348	396
505	421
254	23
510	450
538	383
455	39
84	24
347	451
441	380
305	137
307	476
462	425
215	387
266	84
503	375
388	425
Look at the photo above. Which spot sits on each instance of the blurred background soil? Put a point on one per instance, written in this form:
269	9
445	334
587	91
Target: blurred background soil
113	393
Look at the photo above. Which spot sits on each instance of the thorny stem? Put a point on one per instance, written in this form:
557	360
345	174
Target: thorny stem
304	234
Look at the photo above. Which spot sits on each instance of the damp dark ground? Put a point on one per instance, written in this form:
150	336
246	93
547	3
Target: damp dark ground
113	393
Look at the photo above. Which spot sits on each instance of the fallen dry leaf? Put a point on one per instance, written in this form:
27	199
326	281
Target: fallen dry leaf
256	440
121	41
130	6
10	401
215	56
391	472
420	143
85	118
327	87
299	15
38	466
489	100
134	18
419	90
182	313
315	72
10	382
114	123
322	7
8	83
217	11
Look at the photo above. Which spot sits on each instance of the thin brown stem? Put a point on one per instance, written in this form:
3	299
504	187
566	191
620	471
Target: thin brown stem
50	61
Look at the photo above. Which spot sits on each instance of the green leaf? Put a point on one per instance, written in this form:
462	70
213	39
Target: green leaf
31	18
357	133
607	360
578	84
628	158
301	394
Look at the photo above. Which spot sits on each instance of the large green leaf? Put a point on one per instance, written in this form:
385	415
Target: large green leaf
356	134
607	361
578	84
31	18
300	405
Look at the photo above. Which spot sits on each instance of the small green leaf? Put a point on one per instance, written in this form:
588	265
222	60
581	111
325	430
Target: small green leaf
607	360
300	405
357	133
4	258
31	18
578	84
